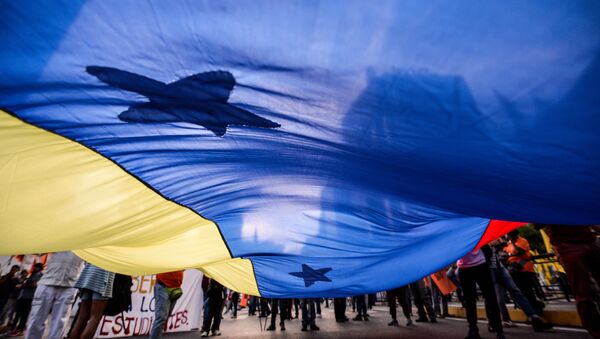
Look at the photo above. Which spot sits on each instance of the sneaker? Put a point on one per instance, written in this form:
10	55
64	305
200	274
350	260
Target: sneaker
508	324
204	334
271	328
314	328
216	333
393	323
539	325
409	322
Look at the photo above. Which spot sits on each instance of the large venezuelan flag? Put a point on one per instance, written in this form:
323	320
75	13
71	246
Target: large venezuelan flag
294	148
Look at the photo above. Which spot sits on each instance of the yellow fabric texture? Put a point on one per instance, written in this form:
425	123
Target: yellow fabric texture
56	195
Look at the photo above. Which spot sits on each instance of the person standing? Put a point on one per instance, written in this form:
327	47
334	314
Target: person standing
25	299
578	250
215	298
96	287
55	292
521	268
361	308
166	292
339	307
503	282
472	271
422	299
264	308
235	299
8	313
309	314
401	294
252	305
8	282
282	306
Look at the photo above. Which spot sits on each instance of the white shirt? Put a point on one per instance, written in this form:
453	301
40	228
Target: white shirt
62	269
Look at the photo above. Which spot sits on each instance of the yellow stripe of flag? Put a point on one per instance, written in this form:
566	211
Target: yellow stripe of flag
56	194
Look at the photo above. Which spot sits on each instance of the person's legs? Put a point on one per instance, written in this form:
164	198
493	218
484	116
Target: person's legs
288	308
500	293
357	302
85	307
361	306
576	259
40	308
61	310
445	305
501	296
3	302
312	314
207	319
467	279
264	308
436	298
484	280
318	304
8	307
218	305
10	310
25	309
403	296
96	312
17	316
251	306
506	281
417	298
524	283
426	299
235	298
283	308
304	308
274	311
339	306
162	304
391	299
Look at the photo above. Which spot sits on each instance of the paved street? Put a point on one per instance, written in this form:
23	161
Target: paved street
249	327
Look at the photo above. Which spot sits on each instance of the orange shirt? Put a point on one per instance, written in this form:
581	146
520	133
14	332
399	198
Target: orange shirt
526	257
171	279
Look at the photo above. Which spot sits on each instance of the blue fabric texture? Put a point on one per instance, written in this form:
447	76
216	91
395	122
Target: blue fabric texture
344	147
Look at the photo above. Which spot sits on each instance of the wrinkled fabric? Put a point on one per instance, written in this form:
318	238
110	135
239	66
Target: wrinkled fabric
371	142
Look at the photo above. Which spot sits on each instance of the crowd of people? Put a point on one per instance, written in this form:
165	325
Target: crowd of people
501	269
